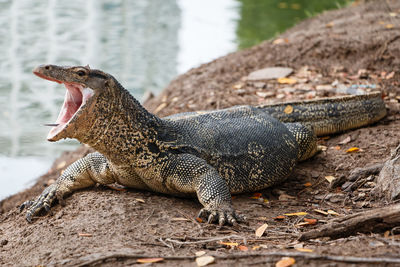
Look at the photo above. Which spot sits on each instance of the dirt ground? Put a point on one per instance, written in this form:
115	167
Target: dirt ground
359	45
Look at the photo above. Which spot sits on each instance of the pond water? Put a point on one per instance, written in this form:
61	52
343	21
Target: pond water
143	43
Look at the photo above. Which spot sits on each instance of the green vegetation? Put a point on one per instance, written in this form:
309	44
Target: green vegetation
263	19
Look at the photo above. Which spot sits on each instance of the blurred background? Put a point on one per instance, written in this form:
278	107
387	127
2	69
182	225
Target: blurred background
143	43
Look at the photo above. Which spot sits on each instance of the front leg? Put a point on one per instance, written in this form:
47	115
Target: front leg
190	173
85	172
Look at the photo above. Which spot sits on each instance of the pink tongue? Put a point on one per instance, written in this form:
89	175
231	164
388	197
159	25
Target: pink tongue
72	102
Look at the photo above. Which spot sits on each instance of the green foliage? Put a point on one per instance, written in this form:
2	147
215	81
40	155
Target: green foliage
263	19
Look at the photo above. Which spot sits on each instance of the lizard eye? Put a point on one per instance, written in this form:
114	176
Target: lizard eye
81	73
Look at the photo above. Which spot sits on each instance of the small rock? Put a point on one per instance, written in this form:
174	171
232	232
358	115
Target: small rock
269	73
265	94
259	85
204	260
3	242
388	181
280	96
324	87
288	90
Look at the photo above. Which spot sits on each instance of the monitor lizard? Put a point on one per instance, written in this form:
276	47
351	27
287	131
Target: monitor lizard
208	154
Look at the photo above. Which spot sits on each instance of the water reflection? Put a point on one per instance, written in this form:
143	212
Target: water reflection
262	20
137	41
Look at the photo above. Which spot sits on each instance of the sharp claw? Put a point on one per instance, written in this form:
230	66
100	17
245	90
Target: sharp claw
221	220
202	214
222	216
212	217
29	217
24	205
21	207
43	202
46	207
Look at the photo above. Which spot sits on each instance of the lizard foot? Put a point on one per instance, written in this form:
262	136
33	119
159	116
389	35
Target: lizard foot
44	201
221	215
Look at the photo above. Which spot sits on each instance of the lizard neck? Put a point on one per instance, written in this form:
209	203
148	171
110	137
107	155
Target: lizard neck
119	127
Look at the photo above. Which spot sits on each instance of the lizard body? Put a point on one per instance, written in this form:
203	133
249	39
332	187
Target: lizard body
210	154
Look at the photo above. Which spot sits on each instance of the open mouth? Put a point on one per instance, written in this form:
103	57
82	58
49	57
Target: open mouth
75	99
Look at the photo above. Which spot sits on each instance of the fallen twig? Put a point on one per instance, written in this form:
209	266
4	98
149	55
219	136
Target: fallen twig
368	221
220	238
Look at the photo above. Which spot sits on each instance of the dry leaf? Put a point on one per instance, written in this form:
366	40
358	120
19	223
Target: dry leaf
61	165
200	253
140	200
243	248
392	14
390	75
266	201
329	25
386	234
149	260
200	220
280	217
322	148
330	178
301	213
229	244
321	211
308	184
288	109
256	196
204	260
304	249
345	141
255	247
332	212
336	147
284	80
352	149
311	221
264	94
280	41
160	107
85	235
238	86
389	26
285	262
260	231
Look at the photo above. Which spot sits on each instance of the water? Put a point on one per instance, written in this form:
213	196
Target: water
143	43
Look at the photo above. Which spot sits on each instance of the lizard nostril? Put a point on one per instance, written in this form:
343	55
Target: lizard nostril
47	67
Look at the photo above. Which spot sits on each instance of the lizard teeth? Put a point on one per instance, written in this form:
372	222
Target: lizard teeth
51	124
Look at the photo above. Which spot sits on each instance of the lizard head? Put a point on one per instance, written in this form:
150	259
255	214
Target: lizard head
83	85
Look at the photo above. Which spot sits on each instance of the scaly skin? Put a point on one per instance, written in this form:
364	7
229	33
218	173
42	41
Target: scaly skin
208	154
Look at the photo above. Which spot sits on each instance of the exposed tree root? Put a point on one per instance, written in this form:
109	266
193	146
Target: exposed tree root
374	220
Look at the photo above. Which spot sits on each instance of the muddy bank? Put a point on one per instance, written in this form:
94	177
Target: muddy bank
359	45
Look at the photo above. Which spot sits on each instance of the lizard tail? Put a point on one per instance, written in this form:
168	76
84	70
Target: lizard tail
331	115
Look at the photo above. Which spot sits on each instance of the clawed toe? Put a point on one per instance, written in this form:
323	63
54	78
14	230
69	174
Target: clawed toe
44	201
221	216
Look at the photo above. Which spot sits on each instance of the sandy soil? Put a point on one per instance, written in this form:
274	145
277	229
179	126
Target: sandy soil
359	45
